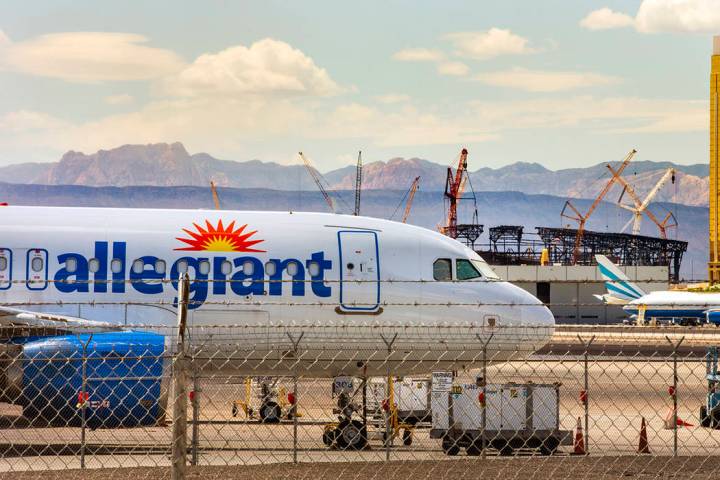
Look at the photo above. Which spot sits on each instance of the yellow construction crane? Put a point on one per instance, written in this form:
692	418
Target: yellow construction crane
216	199
640	206
317	178
411	197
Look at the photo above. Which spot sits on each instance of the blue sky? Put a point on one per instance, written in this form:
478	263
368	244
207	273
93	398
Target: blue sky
562	83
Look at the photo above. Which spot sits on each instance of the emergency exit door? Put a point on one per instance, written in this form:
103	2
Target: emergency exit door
359	270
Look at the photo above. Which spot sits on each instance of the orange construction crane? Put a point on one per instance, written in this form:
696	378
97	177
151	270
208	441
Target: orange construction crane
582	219
454	185
411	197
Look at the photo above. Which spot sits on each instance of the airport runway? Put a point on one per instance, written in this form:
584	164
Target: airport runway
632	341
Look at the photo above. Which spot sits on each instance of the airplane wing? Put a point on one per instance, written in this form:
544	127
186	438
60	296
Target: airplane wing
10	316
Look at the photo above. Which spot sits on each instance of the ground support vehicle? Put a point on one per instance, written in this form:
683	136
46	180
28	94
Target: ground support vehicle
710	412
505	417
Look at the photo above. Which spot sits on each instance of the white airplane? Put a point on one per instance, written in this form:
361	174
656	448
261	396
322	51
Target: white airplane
342	289
676	304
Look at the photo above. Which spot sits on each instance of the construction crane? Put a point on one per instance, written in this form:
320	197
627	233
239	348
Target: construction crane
216	199
640	206
582	219
358	183
318	181
454	186
411	197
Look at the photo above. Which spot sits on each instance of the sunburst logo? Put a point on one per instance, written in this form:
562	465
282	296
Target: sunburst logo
218	238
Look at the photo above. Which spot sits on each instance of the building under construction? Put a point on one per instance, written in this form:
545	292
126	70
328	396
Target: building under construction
510	245
557	264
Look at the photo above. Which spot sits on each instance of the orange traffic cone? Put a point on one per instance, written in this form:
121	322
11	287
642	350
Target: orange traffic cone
669	421
643	446
579	443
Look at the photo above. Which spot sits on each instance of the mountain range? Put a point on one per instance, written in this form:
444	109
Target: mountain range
169	164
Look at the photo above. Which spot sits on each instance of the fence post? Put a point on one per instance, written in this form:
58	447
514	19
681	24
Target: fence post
675	347
483	406
179	445
585	395
83	402
294	406
195	419
388	395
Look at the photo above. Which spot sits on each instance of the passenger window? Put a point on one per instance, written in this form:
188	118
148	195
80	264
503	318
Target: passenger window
270	268
94	265
226	267
248	268
442	270
182	266
138	266
116	265
37	264
160	266
313	269
204	267
292	268
3	263
71	265
466	270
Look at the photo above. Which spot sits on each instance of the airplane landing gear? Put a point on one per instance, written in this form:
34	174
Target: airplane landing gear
348	433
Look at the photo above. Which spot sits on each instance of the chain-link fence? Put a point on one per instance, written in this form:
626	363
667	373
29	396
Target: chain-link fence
341	398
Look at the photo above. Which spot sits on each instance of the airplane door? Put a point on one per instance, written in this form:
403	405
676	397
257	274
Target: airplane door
6	265
359	270
36	268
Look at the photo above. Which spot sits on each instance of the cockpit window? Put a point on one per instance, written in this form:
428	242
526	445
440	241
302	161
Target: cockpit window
471	269
485	269
466	270
442	270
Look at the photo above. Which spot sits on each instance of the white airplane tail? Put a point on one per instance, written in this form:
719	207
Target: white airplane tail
620	289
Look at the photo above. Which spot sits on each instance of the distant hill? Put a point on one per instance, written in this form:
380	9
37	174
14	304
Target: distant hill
164	164
495	208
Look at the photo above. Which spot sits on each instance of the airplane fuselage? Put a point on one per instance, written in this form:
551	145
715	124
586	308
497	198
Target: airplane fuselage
337	280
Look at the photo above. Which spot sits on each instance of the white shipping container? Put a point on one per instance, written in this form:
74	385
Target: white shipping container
512	407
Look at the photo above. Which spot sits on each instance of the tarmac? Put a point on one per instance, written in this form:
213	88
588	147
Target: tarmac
621	393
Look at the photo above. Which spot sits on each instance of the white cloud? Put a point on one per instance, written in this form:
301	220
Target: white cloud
493	43
120	99
406	126
605	19
661	16
457	69
419	55
544	81
268	66
679	16
88	57
226	127
22	121
601	115
393	98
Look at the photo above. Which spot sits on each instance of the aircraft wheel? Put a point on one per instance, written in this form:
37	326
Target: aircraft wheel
450	446
351	435
549	446
270	412
705	420
407	437
328	437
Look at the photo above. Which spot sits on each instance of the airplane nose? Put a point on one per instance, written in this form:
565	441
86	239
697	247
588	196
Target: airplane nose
534	312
